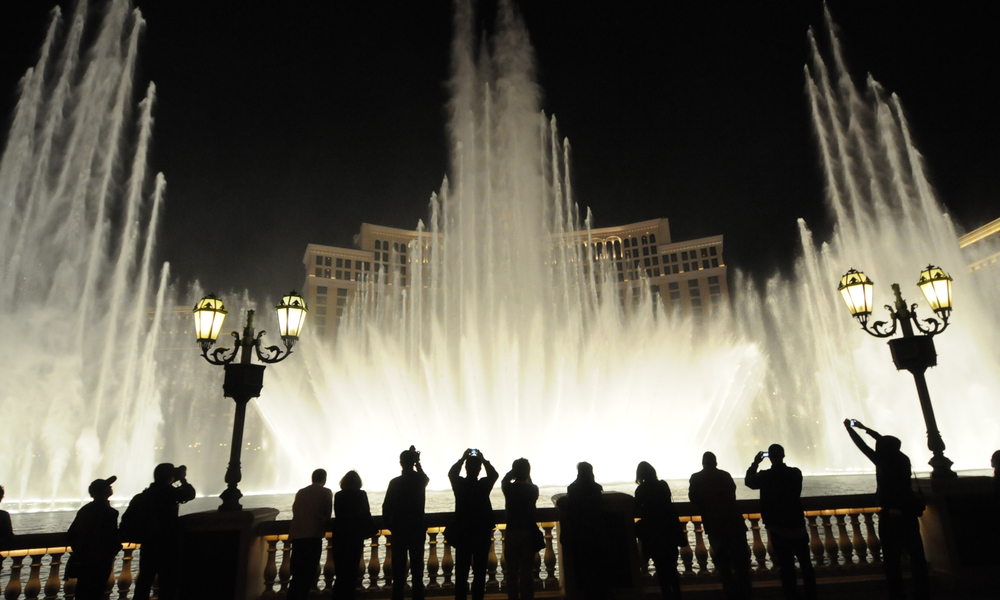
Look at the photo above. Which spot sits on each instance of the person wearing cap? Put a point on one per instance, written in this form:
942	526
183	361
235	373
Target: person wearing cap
161	540
94	539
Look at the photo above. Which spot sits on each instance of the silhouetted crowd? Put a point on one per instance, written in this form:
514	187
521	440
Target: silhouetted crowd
151	520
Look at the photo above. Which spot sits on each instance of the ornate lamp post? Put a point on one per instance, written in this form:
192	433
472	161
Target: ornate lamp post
244	380
914	353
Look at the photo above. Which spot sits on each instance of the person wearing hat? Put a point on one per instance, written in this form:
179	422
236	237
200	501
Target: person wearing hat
93	537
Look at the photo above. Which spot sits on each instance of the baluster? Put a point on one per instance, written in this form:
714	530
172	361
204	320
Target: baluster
70	588
830	539
687	554
491	566
432	558
814	542
329	569
125	579
503	553
54	583
285	572
770	551
551	582
270	569
846	547
860	547
373	564
360	569
757	546
447	565
387	566
13	589
109	584
874	544
700	552
34	586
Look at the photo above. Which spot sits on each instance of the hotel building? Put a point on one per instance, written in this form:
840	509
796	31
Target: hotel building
689	276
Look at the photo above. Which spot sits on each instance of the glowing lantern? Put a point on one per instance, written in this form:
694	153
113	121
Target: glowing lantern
291	317
209	315
858	292
936	286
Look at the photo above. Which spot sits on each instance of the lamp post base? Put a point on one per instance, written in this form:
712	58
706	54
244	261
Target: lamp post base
231	499
941	467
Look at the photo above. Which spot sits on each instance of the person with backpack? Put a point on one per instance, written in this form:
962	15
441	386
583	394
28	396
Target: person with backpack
155	526
898	519
94	539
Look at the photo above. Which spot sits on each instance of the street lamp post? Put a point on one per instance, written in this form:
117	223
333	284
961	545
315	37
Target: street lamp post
244	379
913	353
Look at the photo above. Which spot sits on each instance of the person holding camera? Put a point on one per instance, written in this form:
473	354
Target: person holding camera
471	533
160	535
781	509
403	513
523	538
898	521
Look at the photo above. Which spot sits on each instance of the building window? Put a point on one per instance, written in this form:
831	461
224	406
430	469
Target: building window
402	259
340	312
652	249
645	240
649	272
656	260
319	272
347	263
675	269
340	263
320	321
621	277
378	244
326	273
696	302
716	299
635	242
338	275
704	264
652	238
321	289
714	290
673	257
713	280
320	299
402	281
656	271
704	252
319	260
320	310
618	249
687	267
645	262
715	262
694	292
673	285
645	251
684	255
654	289
368	266
712	250
675	295
402	271
328	262
341	292
341	301
626	243
357	276
692	283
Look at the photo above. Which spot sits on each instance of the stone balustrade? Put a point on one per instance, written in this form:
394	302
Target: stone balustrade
842	535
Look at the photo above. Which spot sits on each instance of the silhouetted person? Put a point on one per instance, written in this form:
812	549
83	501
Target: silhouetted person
523	535
585	539
403	512
160	549
714	492
994	462
471	532
352	526
6	530
311	511
94	538
658	528
898	521
781	509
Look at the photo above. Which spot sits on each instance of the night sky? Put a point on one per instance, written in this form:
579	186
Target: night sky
295	123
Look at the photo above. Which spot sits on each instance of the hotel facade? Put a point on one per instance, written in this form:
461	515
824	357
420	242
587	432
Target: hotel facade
688	276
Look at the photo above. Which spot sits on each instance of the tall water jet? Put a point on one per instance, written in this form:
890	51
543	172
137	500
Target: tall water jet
79	393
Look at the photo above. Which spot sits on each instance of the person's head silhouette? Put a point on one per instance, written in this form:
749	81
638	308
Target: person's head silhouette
521	469
350	481
319	476
709	461
994	462
888	445
645	472
585	471
2	492
473	465
163	473
776	454
100	489
408	458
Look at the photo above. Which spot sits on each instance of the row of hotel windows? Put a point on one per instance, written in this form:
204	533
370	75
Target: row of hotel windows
363	270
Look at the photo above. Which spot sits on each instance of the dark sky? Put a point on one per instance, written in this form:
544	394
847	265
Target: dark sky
297	122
